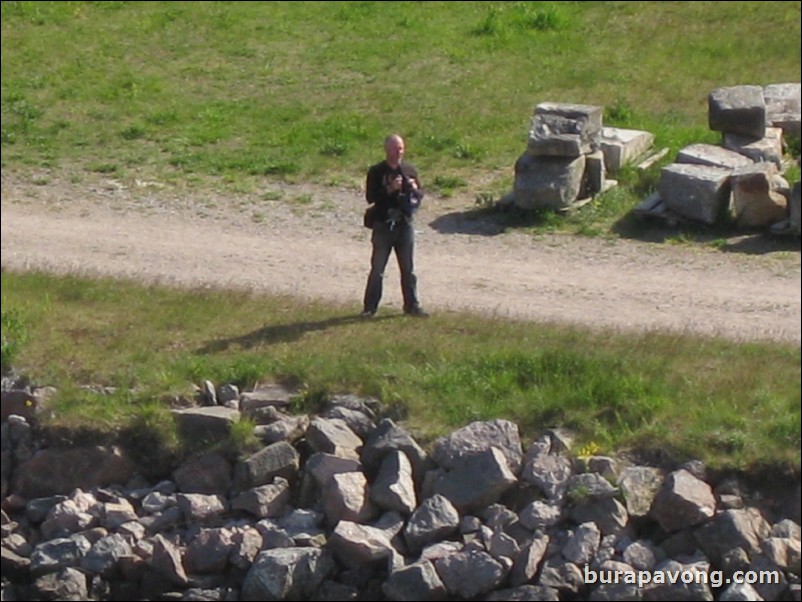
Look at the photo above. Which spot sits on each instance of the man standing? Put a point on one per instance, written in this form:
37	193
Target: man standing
393	187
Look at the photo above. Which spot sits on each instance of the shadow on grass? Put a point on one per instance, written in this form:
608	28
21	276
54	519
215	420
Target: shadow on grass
487	221
280	333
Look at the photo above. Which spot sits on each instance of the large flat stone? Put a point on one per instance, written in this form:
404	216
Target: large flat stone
712	155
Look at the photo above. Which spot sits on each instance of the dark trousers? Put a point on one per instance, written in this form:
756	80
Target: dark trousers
401	239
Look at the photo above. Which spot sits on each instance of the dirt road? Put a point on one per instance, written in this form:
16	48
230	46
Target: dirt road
308	241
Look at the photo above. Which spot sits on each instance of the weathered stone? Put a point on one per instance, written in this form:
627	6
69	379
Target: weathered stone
684	501
287	574
418	581
394	488
333	436
784	552
527	563
469	574
67	584
198	507
783	108
266	395
435	519
698	192
388	436
357	545
289	429
562	576
639	486
206	423
583	544
621	147
754	200
694	589
553	183
737	109
589	485
732	529
548	472
276	460
357	420
467	493
768	148
565	130
346	497
167	561
209	473
713	156
478	437
795	209
523	593
103	558
208	552
264	501
540	515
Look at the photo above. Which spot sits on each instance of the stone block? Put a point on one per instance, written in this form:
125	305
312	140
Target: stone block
622	147
738	110
548	182
698	192
565	130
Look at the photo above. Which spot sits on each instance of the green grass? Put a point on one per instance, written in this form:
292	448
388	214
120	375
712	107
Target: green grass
735	406
245	95
279	90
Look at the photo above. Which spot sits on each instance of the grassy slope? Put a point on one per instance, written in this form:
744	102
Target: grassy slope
670	396
233	92
307	89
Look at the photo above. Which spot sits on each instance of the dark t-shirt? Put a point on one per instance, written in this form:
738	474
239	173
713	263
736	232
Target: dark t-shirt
379	178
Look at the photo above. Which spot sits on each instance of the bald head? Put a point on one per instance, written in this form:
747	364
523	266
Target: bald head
394	149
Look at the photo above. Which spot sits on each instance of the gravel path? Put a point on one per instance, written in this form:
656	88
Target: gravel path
309	242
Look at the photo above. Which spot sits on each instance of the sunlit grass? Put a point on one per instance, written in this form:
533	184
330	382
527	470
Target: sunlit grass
732	405
283	91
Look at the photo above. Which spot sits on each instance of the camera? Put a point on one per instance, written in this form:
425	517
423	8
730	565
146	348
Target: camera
410	201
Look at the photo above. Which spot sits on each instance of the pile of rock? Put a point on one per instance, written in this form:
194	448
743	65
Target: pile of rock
563	162
741	179
347	505
569	154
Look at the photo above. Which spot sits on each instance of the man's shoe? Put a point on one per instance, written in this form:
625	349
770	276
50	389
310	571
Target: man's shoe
416	312
368	313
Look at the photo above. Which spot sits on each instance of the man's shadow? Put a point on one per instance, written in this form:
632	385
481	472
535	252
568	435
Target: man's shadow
282	333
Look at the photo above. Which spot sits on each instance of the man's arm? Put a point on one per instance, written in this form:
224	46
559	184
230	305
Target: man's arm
374	188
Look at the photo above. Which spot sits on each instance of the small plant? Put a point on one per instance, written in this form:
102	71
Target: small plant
545	20
490	25
467	152
243	439
589	449
485	200
620	112
133	132
272	195
447	184
578	495
107	168
14	336
334	148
